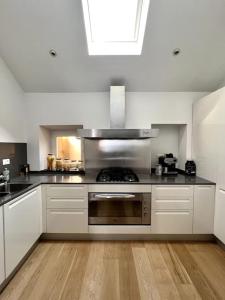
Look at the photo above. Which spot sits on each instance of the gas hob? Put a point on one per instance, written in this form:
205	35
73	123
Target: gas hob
117	175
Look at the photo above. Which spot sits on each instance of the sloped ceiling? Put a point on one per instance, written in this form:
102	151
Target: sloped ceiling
30	28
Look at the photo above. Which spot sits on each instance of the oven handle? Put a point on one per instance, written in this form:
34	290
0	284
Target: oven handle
114	196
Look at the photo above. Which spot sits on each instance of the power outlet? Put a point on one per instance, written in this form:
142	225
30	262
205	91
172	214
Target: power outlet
6	161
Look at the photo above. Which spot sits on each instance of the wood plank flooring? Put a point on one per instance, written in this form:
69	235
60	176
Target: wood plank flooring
123	270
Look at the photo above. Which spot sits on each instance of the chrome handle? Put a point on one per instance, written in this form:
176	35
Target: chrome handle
113	196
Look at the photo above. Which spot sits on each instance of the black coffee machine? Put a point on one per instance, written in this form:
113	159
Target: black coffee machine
168	163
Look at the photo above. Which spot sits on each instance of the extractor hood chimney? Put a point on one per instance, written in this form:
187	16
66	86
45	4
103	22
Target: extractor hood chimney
117	107
117	121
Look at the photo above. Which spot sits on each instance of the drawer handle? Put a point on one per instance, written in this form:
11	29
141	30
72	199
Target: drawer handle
67	212
172	213
222	190
176	201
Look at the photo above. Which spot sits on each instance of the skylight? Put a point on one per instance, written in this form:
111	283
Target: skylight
115	27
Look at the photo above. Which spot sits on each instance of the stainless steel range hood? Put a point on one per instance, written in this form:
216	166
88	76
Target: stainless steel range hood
117	121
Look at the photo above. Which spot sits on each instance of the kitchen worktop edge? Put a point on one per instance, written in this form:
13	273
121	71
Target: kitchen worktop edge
35	180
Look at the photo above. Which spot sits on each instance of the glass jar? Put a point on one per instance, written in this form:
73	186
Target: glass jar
66	164
80	164
51	162
73	165
59	164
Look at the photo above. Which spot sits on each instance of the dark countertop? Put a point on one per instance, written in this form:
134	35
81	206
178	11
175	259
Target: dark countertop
35	180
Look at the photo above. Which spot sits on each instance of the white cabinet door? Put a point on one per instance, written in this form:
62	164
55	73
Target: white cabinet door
172	222
204	206
22	223
219	224
172	197
67	221
2	263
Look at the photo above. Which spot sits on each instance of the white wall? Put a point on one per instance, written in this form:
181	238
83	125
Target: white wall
166	142
12	107
92	111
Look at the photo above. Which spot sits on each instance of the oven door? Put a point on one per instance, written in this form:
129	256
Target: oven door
119	209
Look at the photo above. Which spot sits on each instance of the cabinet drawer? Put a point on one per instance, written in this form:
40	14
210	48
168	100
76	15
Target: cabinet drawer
67	221
67	203
172	222
174	204
165	192
66	191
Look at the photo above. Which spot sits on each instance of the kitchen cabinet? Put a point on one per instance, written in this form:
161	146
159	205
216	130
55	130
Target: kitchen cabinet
204	208
172	209
219	224
67	220
2	259
172	197
172	222
22	227
67	208
67	196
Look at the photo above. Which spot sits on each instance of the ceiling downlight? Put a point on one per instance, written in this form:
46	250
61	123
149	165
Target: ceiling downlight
53	53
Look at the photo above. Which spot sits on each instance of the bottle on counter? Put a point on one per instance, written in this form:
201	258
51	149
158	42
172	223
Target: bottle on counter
158	170
51	162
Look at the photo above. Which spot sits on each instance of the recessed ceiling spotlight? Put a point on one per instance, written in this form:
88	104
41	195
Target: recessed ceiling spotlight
53	53
176	51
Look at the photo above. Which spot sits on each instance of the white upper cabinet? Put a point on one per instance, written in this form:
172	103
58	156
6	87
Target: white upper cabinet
2	263
22	224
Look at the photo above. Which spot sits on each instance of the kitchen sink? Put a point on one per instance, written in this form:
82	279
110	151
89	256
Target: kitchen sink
13	188
3	194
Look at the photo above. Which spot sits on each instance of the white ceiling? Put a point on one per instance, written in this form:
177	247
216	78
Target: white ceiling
30	28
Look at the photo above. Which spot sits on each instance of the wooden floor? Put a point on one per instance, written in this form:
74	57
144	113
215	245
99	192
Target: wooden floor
120	270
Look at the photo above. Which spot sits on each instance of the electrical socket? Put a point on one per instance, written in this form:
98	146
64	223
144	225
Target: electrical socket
6	161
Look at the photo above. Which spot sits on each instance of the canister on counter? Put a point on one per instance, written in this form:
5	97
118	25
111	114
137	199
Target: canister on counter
158	170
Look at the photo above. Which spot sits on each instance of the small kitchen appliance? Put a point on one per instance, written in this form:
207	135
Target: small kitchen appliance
168	163
117	174
190	168
119	208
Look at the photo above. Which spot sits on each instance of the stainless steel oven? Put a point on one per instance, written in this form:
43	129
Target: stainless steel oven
119	208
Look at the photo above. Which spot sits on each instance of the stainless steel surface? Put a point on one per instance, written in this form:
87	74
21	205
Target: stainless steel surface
118	133
117	106
117	121
119	208
114	196
105	153
115	221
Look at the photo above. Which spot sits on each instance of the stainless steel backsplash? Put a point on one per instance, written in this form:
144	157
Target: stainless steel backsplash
104	153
